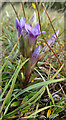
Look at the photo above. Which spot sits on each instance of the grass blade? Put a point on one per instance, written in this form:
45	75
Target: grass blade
12	85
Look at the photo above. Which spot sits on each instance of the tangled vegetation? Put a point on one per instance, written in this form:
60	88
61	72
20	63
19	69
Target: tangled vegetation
33	75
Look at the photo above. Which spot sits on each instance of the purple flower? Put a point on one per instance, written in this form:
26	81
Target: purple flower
35	55
33	60
50	41
36	52
20	26
53	38
33	32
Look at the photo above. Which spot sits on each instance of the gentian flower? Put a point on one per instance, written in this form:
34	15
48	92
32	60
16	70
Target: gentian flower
33	33
36	52
50	41
20	26
33	60
53	38
35	55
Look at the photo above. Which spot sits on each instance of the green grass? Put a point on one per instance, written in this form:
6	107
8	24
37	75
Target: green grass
47	79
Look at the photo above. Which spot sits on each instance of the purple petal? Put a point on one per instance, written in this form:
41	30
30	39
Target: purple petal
42	32
57	32
17	25
34	31
20	26
53	38
28	28
50	41
36	52
19	32
30	31
22	22
37	27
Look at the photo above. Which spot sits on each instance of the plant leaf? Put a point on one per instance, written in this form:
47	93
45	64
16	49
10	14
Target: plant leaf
48	113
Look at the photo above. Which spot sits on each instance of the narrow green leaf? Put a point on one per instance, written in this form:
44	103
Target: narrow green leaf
57	72
46	87
6	98
12	85
15	103
31	87
22	106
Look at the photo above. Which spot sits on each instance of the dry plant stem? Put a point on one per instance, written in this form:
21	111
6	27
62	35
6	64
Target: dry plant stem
18	40
44	37
52	27
2	6
61	88
52	67
14	9
22	3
